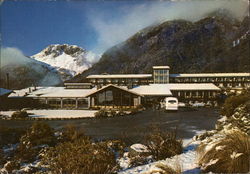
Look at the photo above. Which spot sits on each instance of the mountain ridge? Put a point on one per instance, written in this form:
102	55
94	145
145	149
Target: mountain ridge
187	47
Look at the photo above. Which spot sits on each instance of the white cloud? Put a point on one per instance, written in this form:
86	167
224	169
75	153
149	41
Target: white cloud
11	55
113	32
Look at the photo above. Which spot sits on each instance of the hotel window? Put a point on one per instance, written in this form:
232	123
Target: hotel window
161	76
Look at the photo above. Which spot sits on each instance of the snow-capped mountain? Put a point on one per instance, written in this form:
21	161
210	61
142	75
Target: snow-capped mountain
67	59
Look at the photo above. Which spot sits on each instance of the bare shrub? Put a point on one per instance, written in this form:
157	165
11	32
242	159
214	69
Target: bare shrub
10	135
116	146
138	159
163	144
20	115
70	133
81	157
102	113
233	102
12	165
2	158
32	142
39	133
229	155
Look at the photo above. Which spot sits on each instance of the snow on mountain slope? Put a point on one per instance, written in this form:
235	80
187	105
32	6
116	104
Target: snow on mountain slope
66	58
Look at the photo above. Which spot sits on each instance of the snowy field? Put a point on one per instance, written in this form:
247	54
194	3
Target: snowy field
56	113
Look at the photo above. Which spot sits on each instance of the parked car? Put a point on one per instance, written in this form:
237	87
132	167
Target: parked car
171	104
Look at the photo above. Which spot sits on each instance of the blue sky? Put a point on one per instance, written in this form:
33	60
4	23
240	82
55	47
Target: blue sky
94	25
31	26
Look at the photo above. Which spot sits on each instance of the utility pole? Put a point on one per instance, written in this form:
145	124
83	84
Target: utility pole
7	81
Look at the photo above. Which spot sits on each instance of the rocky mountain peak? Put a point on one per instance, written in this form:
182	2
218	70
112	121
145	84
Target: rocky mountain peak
56	50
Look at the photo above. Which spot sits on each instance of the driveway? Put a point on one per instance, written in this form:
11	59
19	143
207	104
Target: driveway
134	127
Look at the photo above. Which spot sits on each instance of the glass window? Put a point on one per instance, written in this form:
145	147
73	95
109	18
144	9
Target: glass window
109	97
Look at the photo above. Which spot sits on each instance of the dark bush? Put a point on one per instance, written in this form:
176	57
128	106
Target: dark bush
138	160
233	102
102	113
10	135
134	111
20	115
81	157
39	135
116	146
12	165
2	158
163	144
70	133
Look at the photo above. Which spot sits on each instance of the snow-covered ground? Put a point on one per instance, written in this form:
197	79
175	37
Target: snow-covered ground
56	113
187	161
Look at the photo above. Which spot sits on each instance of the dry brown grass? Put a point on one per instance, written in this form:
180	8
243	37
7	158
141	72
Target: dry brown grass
166	169
230	155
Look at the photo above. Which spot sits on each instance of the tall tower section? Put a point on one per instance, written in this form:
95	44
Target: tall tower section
161	74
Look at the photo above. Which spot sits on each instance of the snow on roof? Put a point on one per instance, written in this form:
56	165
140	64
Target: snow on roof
61	92
147	90
211	75
119	87
192	86
161	67
77	84
110	76
4	91
152	90
165	89
22	92
53	92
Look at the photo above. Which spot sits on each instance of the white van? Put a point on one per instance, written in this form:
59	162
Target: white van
171	104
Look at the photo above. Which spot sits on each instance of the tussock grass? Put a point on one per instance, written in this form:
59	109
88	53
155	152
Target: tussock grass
167	169
229	155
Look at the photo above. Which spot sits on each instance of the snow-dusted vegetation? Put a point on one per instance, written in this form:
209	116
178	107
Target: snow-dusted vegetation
227	148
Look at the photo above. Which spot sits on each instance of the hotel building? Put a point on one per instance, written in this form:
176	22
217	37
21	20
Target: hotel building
131	90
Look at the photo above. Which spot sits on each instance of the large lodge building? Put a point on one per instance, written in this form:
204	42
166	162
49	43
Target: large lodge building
131	90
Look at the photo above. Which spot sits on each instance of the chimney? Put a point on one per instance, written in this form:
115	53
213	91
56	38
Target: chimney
130	85
99	86
7	81
33	85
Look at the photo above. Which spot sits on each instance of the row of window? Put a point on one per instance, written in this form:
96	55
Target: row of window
194	79
119	80
200	94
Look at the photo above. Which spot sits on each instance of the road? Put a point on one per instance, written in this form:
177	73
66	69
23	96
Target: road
134	128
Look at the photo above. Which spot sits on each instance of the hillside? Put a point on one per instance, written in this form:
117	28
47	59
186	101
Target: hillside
190	47
29	72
